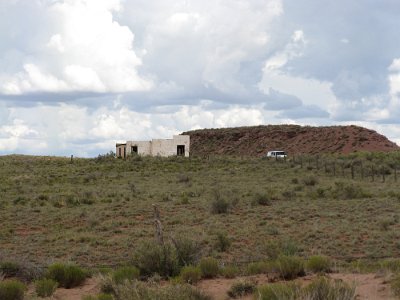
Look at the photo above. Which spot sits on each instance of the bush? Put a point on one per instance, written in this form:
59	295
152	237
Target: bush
143	291
187	250
319	264
241	289
190	274
45	287
219	206
12	290
98	297
151	258
310	181
262	199
324	288
125	273
230	271
290	267
209	267
223	242
258	268
9	269
67	276
279	291
395	285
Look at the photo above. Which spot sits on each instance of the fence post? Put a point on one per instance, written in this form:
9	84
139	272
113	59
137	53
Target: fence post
334	168
158	226
352	170
383	174
372	173
317	162
301	162
362	170
395	173
342	165
326	170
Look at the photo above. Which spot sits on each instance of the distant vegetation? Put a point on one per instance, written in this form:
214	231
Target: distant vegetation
221	216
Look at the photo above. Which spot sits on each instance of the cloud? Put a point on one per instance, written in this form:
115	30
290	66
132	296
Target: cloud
86	50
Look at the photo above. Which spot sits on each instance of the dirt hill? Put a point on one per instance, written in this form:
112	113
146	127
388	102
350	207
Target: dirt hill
257	140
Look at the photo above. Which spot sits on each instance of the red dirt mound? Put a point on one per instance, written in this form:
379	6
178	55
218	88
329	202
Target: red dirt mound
257	140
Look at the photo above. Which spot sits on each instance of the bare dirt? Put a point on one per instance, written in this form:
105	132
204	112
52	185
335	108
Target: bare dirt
368	286
257	140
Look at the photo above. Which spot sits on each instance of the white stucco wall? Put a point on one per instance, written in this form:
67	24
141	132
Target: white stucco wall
160	147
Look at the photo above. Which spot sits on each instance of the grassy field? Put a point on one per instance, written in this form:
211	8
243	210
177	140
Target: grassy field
95	212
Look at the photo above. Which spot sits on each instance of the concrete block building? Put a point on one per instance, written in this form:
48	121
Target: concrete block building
179	145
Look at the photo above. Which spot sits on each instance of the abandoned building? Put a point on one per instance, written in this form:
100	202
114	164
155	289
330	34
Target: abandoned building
179	145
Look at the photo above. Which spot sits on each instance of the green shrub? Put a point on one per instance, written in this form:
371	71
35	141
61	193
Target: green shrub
258	268
324	288
9	269
144	291
209	267
392	265
67	276
319	264
230	271
395	285
279	291
219	206
188	251
12	290
223	242
241	289
190	274
287	247
125	273
45	287
310	181
151	258
262	199
290	267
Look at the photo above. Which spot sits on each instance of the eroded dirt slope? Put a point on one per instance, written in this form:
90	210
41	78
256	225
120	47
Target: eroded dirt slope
257	140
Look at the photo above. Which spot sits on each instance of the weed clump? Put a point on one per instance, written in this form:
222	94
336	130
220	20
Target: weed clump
12	290
290	267
223	242
219	205
45	287
310	181
125	273
190	274
262	199
151	258
209	267
9	269
230	271
67	276
395	285
241	288
324	288
319	264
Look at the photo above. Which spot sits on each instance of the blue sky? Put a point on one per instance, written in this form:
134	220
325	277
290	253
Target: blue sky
76	76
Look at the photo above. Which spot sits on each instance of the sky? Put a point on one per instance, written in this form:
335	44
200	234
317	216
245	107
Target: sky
77	76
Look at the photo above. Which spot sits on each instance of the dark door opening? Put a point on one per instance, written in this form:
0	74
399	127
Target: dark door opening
124	152
180	150
134	149
119	152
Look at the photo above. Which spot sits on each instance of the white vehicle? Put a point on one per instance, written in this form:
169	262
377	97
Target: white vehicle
277	154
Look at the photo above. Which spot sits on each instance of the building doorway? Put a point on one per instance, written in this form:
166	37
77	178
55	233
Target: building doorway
134	150
180	150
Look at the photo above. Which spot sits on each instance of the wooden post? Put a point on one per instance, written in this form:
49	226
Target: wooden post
372	173
72	159
395	173
352	170
158	226
326	169
342	164
383	174
317	162
362	170
301	162
334	168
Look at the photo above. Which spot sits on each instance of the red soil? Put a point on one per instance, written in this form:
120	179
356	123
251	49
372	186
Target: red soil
257	140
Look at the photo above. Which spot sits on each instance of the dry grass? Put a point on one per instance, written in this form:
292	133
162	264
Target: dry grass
96	213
